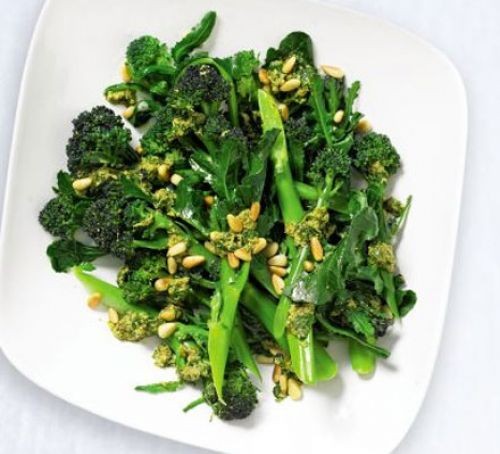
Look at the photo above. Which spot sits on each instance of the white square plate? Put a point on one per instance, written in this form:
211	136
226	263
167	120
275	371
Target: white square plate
410	91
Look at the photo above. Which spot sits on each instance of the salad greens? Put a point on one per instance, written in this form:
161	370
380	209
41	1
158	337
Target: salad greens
251	217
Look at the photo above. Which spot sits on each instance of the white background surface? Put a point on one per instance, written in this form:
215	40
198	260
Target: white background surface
462	409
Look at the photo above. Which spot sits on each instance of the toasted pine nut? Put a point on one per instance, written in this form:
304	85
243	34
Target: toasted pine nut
192	261
283	381
278	284
276	373
290	85
283	110
234	262
209	200
278	260
255	211
94	300
259	245
161	284
364	126
138	149
171	265
213	236
289	64
263	77
316	249
113	316
333	71
243	254
294	389
169	314
177	249
262	359
339	116
308	266
175	179
128	112
82	184
125	73
234	223
271	249
166	330
278	270
163	172
209	247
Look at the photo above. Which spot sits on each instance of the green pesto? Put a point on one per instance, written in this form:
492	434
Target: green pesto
300	319
178	289
164	200
195	367
125	96
134	326
382	255
162	355
314	223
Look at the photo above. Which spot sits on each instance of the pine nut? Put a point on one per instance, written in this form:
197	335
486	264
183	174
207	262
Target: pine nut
234	262
333	71
316	249
271	249
177	249
163	172
169	314
161	284
294	389
234	223
278	284
82	184
284	112
290	85
283	381
113	315
259	245
364	126
255	211
278	260
192	261
308	266
262	359
94	300
125	73
175	179
263	77
171	265
165	330
214	235
138	149
289	64
276	373
278	270
209	247
243	254
209	200
128	112
339	116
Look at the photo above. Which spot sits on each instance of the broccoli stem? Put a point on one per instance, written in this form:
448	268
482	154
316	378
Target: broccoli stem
242	350
224	308
111	296
363	360
306	192
302	351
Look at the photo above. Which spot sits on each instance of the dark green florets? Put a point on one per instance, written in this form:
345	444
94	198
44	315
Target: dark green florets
331	162
202	84
61	216
375	156
239	394
145	52
99	139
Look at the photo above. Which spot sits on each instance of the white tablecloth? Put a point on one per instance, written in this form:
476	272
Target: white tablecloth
461	413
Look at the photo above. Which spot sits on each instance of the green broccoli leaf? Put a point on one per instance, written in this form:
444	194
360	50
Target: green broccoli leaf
162	387
65	254
298	43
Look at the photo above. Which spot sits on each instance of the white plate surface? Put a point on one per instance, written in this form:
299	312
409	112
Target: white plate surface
410	91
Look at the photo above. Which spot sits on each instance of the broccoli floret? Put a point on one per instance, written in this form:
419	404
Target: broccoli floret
300	319
162	355
330	162
62	216
382	255
136	279
99	139
239	394
146	52
375	156
164	199
134	326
